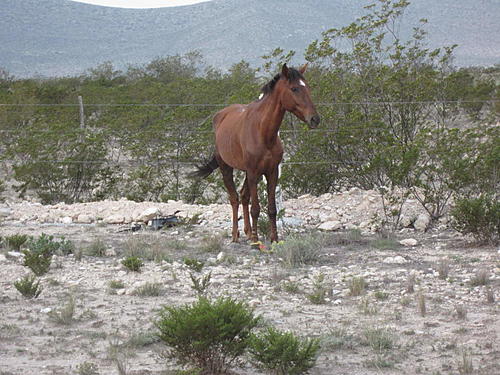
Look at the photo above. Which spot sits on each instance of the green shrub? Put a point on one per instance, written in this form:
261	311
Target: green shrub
133	263
15	241
210	335
282	353
38	254
194	264
28	287
479	217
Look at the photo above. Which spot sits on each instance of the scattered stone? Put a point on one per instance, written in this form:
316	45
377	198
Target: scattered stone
422	222
221	256
398	259
148	214
115	219
408	242
330	225
66	220
84	219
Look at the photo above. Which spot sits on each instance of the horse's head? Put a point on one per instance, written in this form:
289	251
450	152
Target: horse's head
296	95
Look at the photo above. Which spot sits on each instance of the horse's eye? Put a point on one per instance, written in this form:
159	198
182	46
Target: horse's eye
295	89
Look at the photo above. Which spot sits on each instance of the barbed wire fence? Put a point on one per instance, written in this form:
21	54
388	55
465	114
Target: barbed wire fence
84	124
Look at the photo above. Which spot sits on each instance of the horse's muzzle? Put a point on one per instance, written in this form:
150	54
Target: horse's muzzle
314	121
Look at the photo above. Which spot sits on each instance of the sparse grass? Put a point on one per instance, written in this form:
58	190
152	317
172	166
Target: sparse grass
461	312
443	268
149	290
379	339
133	263
379	362
410	283
65	314
337	338
381	295
213	244
367	308
142	339
116	284
405	301
385	243
490	295
465	366
97	248
291	287
8	331
300	250
318	296
421	304
87	368
28	286
480	278
357	286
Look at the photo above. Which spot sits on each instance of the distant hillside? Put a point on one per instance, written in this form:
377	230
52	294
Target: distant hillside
60	37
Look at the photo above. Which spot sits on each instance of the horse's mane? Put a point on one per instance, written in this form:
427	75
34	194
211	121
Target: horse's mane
293	75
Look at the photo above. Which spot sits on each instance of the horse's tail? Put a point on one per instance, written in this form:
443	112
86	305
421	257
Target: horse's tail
205	170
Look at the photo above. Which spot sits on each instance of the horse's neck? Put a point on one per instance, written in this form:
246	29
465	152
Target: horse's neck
271	119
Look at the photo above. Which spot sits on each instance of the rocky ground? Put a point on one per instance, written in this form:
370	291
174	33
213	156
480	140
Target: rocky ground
417	302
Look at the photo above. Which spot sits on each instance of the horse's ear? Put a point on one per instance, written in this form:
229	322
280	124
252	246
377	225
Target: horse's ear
284	70
303	68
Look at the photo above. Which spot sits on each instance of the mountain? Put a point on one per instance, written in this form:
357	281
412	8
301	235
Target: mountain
61	37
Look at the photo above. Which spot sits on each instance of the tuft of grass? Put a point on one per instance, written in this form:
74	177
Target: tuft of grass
480	278
490	295
381	295
29	287
357	286
461	312
367	308
213	244
318	296
443	269
116	284
291	287
300	250
149	290
410	283
96	249
379	339
133	263
465	366
421	304
87	368
65	314
380	362
337	338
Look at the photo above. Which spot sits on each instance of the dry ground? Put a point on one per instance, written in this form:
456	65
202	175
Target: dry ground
384	329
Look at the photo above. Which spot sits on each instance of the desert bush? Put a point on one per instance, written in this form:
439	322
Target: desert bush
357	286
320	292
211	335
15	241
300	249
149	289
87	368
379	339
212	244
194	264
97	248
39	251
64	315
479	217
133	264
29	287
200	284
283	353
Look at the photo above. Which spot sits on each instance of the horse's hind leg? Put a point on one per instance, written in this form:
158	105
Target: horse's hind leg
245	201
227	177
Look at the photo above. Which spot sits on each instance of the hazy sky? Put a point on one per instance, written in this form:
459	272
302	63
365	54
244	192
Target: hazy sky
141	3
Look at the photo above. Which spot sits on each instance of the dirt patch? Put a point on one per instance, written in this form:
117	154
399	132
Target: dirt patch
112	320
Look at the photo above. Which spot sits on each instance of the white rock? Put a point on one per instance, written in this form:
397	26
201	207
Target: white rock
148	214
398	259
46	310
330	225
409	242
66	220
114	219
84	219
422	222
221	256
2	258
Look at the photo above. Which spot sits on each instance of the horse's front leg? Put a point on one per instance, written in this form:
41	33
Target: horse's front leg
245	201
272	182
252	181
227	177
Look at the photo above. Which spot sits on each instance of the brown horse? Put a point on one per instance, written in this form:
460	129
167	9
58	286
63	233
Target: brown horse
246	138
